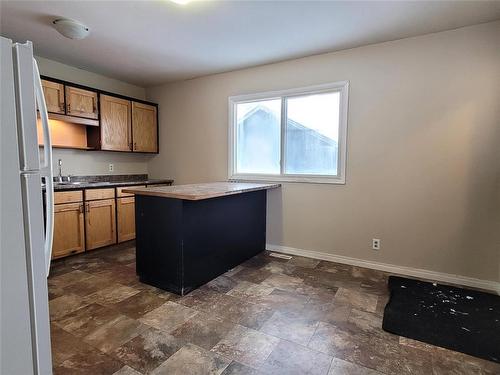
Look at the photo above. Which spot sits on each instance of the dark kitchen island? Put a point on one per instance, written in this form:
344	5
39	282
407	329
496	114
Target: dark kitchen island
186	235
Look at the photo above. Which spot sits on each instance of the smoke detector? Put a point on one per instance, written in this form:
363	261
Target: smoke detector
71	29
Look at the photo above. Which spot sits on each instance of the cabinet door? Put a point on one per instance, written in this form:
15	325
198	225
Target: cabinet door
115	124
100	223
125	212
68	230
54	96
81	103
144	127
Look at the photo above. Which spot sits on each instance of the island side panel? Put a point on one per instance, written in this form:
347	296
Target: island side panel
220	233
159	242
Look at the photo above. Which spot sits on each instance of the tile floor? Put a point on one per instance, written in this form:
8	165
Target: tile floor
266	316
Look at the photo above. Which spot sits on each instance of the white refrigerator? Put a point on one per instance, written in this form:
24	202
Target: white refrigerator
25	241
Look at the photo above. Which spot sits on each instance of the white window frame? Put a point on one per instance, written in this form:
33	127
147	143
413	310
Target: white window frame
341	87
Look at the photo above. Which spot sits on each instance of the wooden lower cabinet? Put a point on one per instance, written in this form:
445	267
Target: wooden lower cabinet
100	223
69	235
92	218
125	212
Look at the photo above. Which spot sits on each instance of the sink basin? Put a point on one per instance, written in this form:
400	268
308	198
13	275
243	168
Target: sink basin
68	183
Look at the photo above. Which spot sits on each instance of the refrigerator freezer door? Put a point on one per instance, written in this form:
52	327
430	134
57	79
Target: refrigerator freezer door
26	110
15	320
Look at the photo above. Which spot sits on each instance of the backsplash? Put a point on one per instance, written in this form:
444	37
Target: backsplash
79	163
109	178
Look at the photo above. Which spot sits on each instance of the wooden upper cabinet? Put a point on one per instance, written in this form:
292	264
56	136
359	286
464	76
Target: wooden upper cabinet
81	103
54	96
144	127
115	124
92	119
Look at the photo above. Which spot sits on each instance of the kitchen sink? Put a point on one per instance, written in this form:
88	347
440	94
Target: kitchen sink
68	183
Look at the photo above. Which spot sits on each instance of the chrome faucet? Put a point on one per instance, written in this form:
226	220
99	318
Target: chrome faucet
59	176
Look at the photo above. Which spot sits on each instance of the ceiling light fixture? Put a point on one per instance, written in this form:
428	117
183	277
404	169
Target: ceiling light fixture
71	29
181	2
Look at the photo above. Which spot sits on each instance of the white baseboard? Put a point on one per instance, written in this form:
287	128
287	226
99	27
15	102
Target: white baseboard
408	271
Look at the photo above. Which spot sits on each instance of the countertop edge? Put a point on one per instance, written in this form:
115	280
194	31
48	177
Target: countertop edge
199	197
100	185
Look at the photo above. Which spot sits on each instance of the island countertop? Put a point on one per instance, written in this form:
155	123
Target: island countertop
201	191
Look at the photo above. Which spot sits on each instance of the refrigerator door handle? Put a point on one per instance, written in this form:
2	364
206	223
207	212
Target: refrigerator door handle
46	168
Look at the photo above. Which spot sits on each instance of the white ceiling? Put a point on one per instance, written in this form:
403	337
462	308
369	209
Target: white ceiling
151	42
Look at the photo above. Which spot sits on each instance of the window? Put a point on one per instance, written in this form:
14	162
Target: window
292	135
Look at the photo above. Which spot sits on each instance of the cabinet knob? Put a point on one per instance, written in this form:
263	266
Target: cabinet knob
81	208
68	106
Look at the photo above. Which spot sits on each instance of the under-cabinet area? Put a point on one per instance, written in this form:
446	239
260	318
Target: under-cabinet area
91	218
86	118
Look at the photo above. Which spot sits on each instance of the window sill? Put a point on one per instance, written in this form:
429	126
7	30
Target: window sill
293	179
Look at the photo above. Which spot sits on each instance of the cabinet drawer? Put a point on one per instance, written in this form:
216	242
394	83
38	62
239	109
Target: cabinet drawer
68	196
95	194
120	193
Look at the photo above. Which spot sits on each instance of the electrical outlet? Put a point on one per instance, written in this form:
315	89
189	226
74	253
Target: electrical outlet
375	244
111	167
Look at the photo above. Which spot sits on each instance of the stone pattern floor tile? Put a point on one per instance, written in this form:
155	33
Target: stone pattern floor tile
64	345
246	346
203	330
115	333
236	368
139	304
127	370
89	362
292	359
266	316
340	367
290	326
238	311
148	350
87	319
168	316
60	306
193	360
112	294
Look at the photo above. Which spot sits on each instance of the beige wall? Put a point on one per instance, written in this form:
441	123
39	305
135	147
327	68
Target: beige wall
78	162
423	150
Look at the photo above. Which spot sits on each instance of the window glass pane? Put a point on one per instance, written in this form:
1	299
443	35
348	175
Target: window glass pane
258	137
312	133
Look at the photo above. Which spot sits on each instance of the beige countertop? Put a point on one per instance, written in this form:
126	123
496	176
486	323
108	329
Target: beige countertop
196	192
